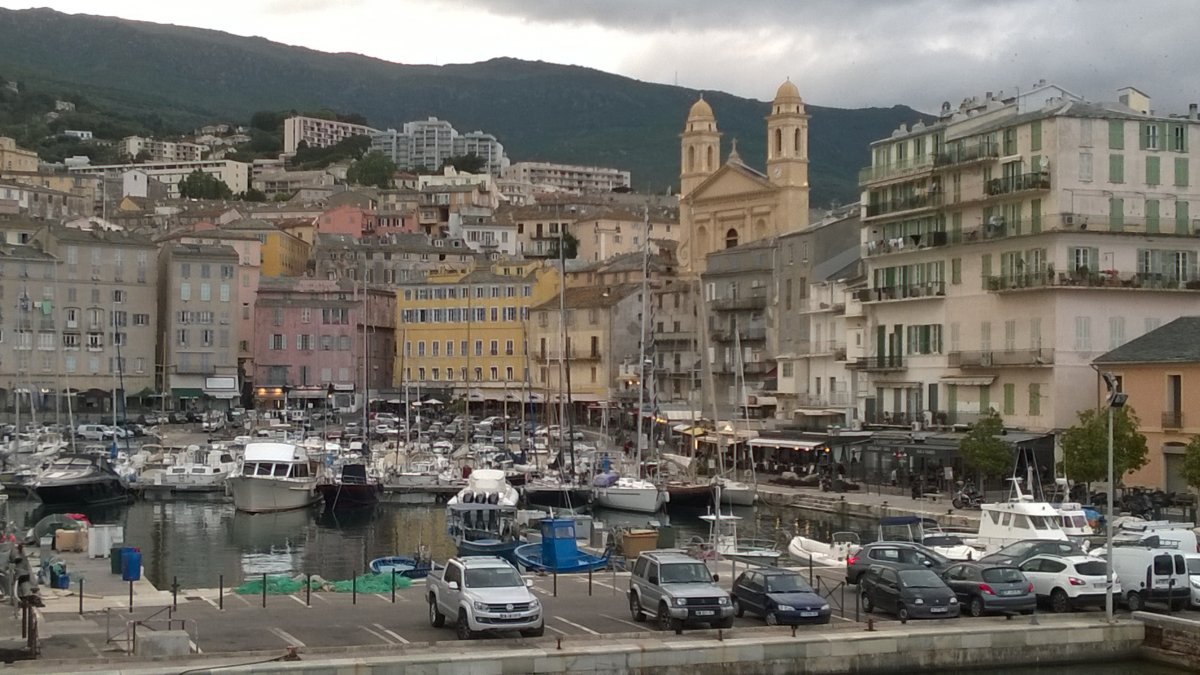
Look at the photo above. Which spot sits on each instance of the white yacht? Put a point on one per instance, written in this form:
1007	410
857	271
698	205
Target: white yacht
630	494
1002	523
193	470
274	476
737	493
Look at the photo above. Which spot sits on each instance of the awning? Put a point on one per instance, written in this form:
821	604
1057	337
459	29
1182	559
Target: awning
186	392
899	384
222	394
691	431
816	412
761	400
310	392
982	381
784	443
677	415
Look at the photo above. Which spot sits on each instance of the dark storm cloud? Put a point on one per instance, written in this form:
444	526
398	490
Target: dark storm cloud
879	52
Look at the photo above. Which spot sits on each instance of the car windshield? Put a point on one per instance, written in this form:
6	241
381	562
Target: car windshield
1003	575
920	579
787	583
1018	549
493	577
1092	568
685	573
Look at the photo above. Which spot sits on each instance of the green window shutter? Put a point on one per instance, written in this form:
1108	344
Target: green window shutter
1116	134
1035	216
1181	171
956	270
1035	400
1143	136
986	265
985	401
1116	168
1151	216
956	226
1152	170
1164	141
1010	399
1116	214
1182	217
1035	164
1035	135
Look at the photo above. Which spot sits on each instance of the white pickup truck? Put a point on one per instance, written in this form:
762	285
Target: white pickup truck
483	594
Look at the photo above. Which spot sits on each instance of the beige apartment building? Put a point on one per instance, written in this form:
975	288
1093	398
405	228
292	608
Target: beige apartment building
1013	241
15	158
318	133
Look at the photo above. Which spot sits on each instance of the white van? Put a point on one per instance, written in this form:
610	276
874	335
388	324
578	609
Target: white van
1150	575
1158	534
1193	567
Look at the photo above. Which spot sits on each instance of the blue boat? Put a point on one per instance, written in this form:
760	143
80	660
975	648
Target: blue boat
558	551
404	566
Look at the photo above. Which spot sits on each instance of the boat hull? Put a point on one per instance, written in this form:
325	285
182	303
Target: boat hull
690	496
496	547
558	498
341	496
264	495
100	491
640	500
530	557
404	567
738	494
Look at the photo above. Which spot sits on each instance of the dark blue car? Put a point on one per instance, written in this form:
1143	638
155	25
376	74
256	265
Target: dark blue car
779	596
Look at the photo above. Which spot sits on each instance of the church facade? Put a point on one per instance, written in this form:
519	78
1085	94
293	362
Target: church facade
722	205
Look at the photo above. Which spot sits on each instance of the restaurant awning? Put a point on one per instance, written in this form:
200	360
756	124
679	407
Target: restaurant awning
186	392
816	412
689	430
981	381
784	443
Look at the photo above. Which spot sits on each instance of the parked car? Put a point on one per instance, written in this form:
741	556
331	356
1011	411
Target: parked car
92	432
1020	551
677	590
894	554
779	596
983	588
1069	582
1151	575
909	593
1193	568
483	594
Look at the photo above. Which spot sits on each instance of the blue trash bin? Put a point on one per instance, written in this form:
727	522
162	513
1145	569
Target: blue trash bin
64	581
131	564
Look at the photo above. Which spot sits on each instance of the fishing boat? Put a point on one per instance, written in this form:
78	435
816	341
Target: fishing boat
835	552
80	480
686	494
723	542
558	551
351	484
481	518
628	494
417	567
274	476
1003	523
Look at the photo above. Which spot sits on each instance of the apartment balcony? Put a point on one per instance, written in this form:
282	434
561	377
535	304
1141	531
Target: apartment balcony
905	205
1106	279
754	301
675	336
902	169
744	335
1002	359
837	399
929	289
878	364
1024	182
1172	419
976	152
907	244
554	357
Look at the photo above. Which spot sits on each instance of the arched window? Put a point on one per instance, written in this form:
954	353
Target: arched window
709	161
691	162
778	142
731	238
797	141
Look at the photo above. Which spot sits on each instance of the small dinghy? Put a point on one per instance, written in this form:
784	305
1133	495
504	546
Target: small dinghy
404	566
558	551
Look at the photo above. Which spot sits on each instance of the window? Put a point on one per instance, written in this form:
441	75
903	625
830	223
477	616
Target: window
1035	399
205	292
479	348
1083	333
1178	138
224	293
1035	135
1010	396
421	348
1116	331
1116	168
141	319
731	238
1150	140
956	270
985	336
1152	171
343	343
495	348
185	270
119	296
185	291
1082	260
278	342
181	337
1085	167
1116	134
1181	172
1010	335
449	347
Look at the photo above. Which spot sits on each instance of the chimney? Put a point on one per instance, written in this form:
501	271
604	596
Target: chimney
1192	111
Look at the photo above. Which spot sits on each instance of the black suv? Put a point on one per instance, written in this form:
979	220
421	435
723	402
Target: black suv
894	554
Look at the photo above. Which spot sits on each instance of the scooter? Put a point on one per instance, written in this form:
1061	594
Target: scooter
966	498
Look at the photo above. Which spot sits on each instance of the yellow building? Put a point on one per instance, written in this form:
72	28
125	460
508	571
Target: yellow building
13	158
468	330
283	254
723	205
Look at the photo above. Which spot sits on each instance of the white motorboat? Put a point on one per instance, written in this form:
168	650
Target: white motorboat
274	476
1002	523
1073	520
723	542
194	470
827	554
481	518
630	494
737	493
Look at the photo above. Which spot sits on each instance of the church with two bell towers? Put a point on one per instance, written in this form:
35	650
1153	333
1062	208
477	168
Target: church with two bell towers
724	204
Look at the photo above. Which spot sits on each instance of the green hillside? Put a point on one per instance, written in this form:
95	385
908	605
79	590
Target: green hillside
173	77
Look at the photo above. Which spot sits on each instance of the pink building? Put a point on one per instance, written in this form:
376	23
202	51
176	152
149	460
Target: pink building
346	219
309	336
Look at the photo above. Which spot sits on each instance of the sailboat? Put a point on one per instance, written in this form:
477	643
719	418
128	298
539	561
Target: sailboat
733	491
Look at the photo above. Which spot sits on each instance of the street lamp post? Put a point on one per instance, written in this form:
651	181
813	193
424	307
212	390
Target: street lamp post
1116	399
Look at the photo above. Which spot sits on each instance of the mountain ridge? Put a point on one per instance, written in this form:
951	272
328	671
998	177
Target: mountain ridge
183	77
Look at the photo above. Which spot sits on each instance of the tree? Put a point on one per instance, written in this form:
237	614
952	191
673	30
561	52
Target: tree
253	195
1191	463
468	163
375	168
1085	445
200	185
983	448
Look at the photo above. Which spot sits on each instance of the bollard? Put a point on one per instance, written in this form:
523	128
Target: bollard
793	630
393	586
131	597
870	625
25	622
81	595
856	600
842	602
174	594
560	644
556	583
589	582
264	590
354	590
720	635
308	590
221	592
810	569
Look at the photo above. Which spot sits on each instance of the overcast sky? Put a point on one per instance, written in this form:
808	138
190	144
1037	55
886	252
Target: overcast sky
844	53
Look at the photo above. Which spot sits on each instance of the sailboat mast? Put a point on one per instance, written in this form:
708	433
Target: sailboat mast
366	359
642	339
562	336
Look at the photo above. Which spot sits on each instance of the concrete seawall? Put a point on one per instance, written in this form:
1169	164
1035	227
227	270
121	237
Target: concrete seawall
867	506
1171	639
899	649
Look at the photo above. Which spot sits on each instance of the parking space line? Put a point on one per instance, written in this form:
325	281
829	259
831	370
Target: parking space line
579	626
210	601
378	635
92	647
243	600
541	590
287	637
384	598
638	626
560	632
399	639
293	596
322	598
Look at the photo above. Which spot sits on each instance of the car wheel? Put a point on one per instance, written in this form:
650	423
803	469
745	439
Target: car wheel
738	610
902	612
867	605
664	617
534	632
975	607
635	608
1135	602
462	627
772	619
1059	602
436	618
